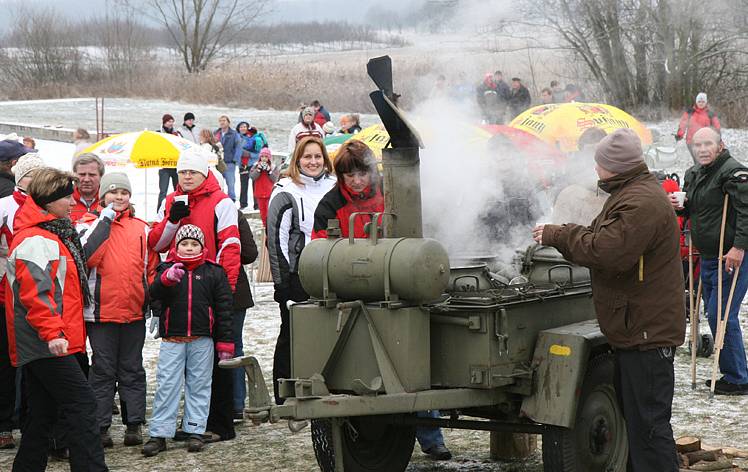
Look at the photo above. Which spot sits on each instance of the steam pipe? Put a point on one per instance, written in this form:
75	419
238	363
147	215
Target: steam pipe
402	192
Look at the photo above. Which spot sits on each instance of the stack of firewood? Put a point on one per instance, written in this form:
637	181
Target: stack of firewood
695	456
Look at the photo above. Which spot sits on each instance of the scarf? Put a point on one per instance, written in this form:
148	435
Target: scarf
63	229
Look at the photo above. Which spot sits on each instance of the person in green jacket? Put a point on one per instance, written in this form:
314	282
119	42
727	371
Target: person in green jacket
716	175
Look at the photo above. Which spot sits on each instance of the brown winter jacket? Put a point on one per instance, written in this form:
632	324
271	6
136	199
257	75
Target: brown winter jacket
632	249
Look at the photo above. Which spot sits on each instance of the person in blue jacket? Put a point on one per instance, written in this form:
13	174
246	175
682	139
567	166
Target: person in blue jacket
232	152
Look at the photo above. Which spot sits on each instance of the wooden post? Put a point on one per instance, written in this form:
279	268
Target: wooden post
512	445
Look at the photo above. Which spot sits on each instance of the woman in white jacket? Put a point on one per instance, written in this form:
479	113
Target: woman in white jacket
307	127
289	228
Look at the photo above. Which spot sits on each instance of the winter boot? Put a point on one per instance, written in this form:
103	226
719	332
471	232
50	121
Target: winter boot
133	435
195	443
438	452
6	440
106	439
154	446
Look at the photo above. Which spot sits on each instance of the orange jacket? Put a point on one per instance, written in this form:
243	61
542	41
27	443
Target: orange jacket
49	300
81	208
122	267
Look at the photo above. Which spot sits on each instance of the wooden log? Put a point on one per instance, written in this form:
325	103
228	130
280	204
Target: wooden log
683	460
688	444
512	445
722	464
697	456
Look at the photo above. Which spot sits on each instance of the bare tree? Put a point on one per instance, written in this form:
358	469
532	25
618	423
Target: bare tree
42	49
124	41
201	29
641	52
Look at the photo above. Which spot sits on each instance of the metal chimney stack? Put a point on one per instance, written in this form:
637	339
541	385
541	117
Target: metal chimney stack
401	162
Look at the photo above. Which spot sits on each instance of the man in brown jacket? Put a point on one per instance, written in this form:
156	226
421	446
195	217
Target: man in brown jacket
632	249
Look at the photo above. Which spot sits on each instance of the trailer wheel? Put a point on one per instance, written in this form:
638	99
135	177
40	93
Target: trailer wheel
598	441
368	446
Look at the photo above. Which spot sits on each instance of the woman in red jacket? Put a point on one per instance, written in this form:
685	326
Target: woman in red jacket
45	295
694	118
358	189
119	260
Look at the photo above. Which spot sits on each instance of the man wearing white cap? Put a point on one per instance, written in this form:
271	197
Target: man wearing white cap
694	118
198	200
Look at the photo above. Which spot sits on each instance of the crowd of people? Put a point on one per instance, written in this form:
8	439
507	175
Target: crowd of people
67	238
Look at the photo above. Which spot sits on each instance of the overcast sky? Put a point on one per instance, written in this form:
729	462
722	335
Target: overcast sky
282	10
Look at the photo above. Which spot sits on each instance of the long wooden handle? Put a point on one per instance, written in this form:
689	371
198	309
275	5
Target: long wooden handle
715	364
693	314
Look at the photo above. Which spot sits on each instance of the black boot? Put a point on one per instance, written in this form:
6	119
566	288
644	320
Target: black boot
154	446
106	439
133	435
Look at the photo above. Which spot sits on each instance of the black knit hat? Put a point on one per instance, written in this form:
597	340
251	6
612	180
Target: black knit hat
189	116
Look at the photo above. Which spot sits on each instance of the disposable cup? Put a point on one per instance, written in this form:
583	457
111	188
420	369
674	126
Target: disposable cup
680	196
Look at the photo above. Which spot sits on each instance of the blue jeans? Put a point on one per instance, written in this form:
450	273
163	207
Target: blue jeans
240	384
230	177
429	436
732	361
189	364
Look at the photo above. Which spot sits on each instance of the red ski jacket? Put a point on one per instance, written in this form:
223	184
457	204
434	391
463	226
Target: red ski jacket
694	119
49	302
340	203
215	214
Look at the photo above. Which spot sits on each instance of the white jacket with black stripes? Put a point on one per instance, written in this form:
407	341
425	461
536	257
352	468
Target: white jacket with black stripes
290	222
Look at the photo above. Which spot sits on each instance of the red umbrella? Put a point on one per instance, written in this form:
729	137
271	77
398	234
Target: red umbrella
543	160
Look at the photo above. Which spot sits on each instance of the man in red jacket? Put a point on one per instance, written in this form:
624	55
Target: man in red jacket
89	168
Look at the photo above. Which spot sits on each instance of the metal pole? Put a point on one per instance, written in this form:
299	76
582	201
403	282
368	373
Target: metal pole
402	192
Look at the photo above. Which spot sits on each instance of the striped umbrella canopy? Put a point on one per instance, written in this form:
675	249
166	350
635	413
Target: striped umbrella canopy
145	149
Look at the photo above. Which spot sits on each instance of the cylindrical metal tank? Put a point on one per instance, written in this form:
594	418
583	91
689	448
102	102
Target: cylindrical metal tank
415	270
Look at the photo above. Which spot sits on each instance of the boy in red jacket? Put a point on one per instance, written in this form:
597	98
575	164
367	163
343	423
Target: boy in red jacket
197	306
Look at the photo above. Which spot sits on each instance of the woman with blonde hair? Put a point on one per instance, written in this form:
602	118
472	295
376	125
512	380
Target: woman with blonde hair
289	228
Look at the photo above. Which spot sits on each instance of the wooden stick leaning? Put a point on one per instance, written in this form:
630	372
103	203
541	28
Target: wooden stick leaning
693	313
715	364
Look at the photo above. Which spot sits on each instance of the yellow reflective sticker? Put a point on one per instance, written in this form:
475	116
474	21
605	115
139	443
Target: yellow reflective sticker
559	350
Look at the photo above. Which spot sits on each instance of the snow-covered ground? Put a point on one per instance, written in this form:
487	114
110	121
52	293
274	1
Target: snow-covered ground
274	447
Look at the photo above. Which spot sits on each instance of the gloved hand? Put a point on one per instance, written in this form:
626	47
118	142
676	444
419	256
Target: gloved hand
173	274
678	138
153	327
178	211
58	346
264	166
108	212
225	350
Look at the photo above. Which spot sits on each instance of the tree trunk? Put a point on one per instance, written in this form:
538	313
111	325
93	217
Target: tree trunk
512	445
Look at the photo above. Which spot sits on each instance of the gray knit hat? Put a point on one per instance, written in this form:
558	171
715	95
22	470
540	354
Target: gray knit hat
620	151
308	111
190	232
113	181
26	164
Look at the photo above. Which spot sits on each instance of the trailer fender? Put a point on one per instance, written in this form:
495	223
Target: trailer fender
559	364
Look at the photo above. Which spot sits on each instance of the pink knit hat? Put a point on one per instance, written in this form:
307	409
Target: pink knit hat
266	152
620	151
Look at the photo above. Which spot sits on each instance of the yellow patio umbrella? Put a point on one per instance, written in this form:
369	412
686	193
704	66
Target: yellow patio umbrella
145	149
561	124
375	136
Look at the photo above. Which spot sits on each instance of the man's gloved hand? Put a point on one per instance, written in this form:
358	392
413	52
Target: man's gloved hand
153	327
108	212
178	211
174	274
